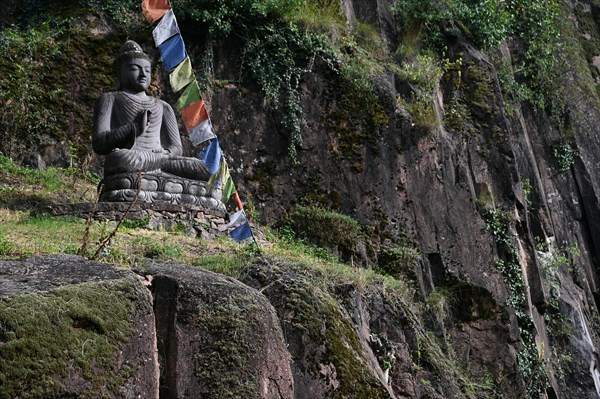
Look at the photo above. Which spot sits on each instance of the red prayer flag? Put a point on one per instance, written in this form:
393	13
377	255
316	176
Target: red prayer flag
154	10
194	114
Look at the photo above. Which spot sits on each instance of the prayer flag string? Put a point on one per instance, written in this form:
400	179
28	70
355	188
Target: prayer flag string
192	108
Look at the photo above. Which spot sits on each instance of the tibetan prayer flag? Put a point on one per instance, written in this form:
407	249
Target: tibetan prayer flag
223	181
211	156
201	133
228	189
172	52
153	10
194	114
236	218
191	94
165	29
241	232
182	75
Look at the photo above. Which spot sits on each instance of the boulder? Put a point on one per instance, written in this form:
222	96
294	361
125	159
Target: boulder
70	327
217	338
332	358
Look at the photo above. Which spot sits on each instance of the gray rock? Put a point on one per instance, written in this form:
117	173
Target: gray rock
217	338
73	328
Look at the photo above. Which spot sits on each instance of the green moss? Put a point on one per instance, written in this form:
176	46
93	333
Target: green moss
331	340
44	338
344	351
222	365
480	95
580	53
356	121
420	108
458	118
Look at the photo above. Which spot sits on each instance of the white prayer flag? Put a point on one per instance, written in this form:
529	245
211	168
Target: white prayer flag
201	133
165	29
236	218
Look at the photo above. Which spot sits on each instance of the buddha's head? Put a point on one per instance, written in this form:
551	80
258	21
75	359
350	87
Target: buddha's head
132	68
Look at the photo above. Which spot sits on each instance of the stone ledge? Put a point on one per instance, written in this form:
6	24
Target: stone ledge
83	209
193	221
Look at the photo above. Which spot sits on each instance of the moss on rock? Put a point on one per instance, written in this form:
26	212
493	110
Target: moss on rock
356	120
73	335
328	357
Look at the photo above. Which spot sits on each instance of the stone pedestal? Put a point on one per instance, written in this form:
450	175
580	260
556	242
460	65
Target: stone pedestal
159	186
196	221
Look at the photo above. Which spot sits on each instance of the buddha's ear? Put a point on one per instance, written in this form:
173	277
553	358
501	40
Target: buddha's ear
117	80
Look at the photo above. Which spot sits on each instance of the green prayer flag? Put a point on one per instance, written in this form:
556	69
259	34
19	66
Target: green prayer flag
190	95
182	75
222	179
228	189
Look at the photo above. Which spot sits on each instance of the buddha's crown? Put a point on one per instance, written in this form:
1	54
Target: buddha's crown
129	50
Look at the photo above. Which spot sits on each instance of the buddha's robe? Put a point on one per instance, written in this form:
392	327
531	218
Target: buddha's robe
158	148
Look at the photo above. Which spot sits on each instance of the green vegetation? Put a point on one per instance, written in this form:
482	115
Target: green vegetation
564	155
49	179
326	229
487	22
24	117
49	55
281	40
531	363
531	30
89	323
222	365
398	262
552	260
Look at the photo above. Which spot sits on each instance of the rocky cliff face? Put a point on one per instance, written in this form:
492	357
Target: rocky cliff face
497	199
492	212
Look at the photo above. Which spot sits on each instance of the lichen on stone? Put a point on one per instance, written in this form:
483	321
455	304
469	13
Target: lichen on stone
73	333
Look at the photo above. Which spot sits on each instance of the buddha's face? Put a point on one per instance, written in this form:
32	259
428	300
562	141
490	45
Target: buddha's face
135	75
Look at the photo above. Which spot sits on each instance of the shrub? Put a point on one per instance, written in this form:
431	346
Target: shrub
398	262
327	229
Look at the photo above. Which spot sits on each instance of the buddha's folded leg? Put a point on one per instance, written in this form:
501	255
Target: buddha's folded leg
190	168
120	161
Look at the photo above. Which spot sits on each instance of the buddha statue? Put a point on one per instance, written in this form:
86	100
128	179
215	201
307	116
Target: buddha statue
139	136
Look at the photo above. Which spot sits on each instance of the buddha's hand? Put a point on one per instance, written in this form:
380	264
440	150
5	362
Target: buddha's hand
141	122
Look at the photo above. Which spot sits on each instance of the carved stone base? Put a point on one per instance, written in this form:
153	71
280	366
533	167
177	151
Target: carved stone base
158	186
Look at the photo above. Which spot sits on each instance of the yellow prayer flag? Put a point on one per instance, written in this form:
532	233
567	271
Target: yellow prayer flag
182	75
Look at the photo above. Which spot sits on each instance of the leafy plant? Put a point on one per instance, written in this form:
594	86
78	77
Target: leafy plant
324	228
564	155
279	42
398	262
531	364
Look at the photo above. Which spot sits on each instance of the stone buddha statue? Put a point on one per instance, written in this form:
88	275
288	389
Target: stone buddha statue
140	138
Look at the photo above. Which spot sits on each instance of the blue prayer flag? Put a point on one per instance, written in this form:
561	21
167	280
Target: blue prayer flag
211	156
172	52
241	232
